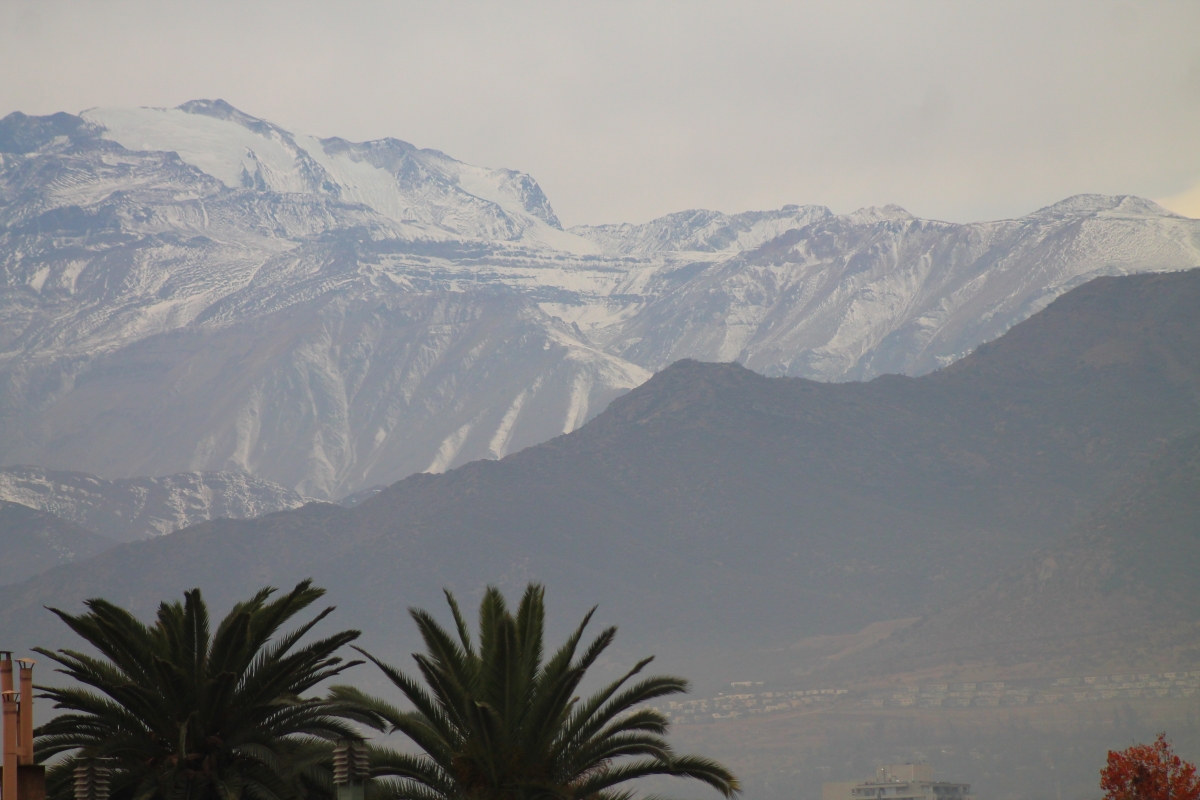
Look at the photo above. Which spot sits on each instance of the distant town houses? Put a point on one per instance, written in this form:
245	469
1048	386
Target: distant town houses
1057	690
732	706
1070	689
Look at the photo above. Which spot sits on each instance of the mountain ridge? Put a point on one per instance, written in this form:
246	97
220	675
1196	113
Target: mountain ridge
718	513
35	541
178	231
126	510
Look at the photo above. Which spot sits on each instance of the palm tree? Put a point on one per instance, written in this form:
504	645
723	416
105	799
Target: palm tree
178	713
498	723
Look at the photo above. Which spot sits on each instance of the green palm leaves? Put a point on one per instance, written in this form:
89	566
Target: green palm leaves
179	712
182	712
498	722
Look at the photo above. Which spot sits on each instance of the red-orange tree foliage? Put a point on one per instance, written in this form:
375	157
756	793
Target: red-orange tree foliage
1149	772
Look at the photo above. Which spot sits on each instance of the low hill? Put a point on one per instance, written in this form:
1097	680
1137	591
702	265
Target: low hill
716	513
1119	586
33	541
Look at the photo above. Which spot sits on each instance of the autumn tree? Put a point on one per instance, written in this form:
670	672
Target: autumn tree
1149	772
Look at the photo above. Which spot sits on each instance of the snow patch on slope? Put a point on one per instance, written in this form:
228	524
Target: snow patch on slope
449	449
409	186
221	148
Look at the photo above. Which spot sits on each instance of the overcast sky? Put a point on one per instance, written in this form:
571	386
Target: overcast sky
627	110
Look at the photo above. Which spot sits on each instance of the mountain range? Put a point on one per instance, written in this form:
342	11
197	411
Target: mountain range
128	509
720	515
50	517
196	290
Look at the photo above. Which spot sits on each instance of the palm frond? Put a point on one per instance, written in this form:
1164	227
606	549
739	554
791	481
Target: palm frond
497	722
182	711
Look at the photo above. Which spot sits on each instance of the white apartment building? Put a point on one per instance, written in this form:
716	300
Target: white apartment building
898	782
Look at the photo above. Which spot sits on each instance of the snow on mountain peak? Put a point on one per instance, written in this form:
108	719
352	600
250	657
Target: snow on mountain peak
873	214
701	231
223	147
331	315
405	184
219	109
1123	205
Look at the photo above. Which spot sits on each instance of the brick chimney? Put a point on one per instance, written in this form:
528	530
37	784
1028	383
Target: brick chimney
20	777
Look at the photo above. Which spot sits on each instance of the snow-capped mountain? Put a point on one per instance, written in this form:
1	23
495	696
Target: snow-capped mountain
849	297
702	231
197	289
424	192
125	510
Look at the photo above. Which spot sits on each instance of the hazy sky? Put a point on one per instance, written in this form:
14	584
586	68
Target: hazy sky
627	110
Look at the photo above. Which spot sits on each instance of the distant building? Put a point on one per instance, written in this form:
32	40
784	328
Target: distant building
898	782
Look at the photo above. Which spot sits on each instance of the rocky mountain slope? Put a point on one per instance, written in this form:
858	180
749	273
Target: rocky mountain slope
718	514
33	541
129	509
195	289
